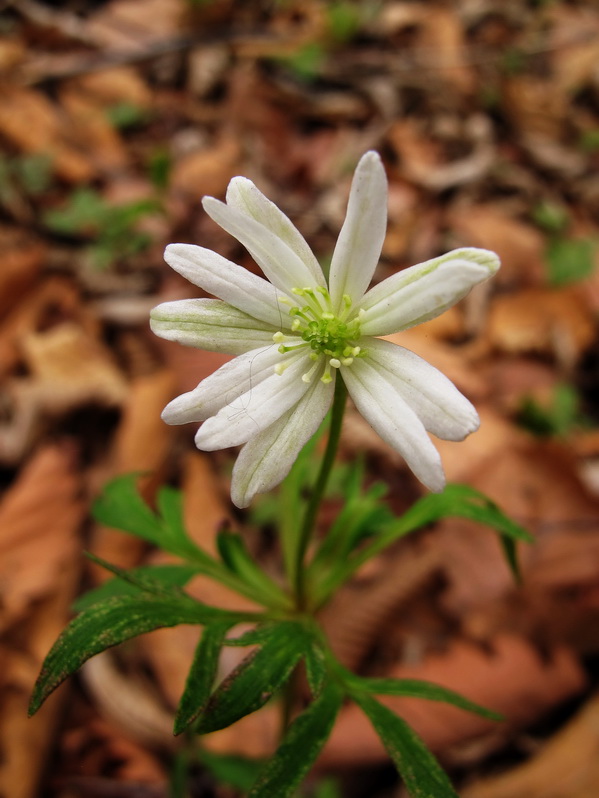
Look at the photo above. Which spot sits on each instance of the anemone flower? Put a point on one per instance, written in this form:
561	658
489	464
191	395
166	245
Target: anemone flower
299	331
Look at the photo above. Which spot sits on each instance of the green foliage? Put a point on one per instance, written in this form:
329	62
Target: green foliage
126	115
557	418
201	675
300	747
254	681
112	622
420	771
24	175
164	575
458	501
570	260
113	228
281	637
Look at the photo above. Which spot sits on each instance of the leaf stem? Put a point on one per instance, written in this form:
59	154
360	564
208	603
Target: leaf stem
307	529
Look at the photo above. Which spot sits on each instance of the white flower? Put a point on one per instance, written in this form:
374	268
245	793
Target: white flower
294	335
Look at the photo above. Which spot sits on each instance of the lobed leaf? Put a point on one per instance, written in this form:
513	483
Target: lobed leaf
300	747
252	683
423	776
112	622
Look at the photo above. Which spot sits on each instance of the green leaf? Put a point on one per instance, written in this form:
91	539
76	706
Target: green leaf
238	560
120	506
110	623
201	675
459	501
300	747
232	770
252	683
570	260
316	670
166	576
419	769
416	688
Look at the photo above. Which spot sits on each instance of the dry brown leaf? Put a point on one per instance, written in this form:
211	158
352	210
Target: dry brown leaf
22	257
109	87
520	246
34	125
511	678
39	555
442	40
206	171
135	24
534	106
94	133
142	445
566	766
545	321
39	519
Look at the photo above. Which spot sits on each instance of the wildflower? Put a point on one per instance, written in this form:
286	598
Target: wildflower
298	332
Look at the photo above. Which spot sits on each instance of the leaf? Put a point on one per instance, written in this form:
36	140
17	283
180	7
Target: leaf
416	688
168	575
419	769
110	623
300	747
120	506
201	675
252	683
456	500
232	770
237	559
570	260
315	667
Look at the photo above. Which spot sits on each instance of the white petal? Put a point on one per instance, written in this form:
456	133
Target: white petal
267	457
443	410
396	423
278	261
245	197
359	245
210	324
424	291
226	280
223	387
256	409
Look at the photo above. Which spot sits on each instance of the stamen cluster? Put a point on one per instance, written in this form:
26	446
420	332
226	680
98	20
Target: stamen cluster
317	327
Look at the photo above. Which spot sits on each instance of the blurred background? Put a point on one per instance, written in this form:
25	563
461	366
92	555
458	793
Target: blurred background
115	119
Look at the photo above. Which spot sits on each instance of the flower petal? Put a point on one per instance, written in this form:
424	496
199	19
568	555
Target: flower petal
223	387
210	324
256	409
443	410
359	245
226	280
266	458
245	197
424	291
397	424
283	267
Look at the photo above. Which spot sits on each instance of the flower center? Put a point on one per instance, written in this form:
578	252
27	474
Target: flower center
316	327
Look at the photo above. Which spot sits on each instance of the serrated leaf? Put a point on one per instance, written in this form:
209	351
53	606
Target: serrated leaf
416	688
166	576
252	683
300	747
423	776
239	562
112	622
232	770
201	675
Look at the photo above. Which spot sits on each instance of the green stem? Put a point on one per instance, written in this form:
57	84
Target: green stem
307	529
